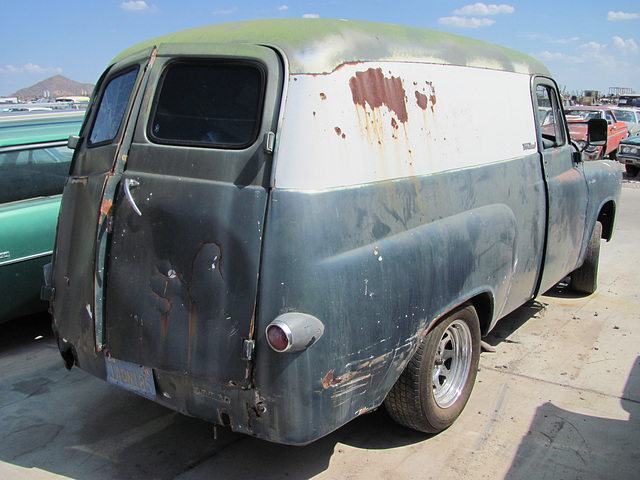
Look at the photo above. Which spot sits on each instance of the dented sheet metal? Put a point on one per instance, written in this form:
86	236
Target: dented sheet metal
376	192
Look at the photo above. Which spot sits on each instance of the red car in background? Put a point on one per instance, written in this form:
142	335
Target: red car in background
577	119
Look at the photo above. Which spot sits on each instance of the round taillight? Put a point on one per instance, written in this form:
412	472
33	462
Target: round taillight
293	332
278	338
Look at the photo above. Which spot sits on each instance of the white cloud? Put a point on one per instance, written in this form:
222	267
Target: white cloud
548	56
134	6
564	40
591	47
310	15
465	22
622	16
483	9
627	46
283	7
224	11
29	68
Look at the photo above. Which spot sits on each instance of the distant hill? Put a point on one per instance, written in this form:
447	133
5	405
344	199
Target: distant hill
56	86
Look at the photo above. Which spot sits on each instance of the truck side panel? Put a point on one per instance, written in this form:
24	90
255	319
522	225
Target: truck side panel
377	264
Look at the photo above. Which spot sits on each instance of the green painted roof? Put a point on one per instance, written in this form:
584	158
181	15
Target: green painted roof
39	128
317	45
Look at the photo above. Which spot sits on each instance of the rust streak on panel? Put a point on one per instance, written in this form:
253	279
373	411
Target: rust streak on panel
373	88
330	380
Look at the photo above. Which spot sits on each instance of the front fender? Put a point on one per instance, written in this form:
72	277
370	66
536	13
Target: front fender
604	182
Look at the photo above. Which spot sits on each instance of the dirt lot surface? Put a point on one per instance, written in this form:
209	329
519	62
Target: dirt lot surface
558	399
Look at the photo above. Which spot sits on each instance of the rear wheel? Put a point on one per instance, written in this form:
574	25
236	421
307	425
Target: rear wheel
585	278
437	382
632	170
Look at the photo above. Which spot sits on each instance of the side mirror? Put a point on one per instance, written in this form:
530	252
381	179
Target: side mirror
74	142
597	132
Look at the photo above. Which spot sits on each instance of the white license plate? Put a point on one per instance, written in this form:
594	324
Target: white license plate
137	378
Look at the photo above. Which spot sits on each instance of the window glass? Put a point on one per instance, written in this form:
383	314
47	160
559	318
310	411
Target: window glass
549	117
584	115
609	117
35	172
629	101
112	108
215	105
624	116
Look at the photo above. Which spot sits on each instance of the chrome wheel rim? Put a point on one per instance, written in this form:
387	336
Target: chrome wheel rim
452	363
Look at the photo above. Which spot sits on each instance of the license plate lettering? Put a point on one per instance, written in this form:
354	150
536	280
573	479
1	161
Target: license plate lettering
137	378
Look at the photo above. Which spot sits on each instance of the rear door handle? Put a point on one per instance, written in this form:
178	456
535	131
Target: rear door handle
130	183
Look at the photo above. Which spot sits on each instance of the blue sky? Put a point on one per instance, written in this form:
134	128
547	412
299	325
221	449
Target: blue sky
586	44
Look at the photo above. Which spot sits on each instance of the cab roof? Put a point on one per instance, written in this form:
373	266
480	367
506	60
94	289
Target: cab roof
318	45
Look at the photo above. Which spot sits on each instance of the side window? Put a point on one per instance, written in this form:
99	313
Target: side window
209	105
609	117
33	172
112	108
550	118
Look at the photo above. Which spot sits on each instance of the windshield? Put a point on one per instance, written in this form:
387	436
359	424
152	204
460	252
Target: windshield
582	115
629	101
625	116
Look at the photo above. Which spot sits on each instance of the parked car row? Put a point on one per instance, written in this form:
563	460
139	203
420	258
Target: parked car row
34	165
623	142
578	118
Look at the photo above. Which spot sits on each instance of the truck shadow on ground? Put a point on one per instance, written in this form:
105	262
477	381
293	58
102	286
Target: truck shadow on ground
566	444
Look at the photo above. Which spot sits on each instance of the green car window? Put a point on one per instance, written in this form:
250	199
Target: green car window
33	172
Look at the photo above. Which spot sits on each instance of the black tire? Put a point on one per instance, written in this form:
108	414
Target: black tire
436	384
632	170
613	155
585	278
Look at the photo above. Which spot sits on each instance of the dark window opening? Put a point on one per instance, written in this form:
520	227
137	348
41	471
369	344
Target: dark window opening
112	108
549	117
209	105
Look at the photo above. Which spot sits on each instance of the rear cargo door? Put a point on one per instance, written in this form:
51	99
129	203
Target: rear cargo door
187	219
99	151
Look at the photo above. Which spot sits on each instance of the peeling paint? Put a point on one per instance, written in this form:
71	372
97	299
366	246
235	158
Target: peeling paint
330	380
422	100
373	88
106	206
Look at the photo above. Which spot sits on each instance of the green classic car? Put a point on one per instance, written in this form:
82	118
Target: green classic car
34	164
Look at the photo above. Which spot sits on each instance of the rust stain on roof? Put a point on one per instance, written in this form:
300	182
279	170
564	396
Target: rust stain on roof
373	88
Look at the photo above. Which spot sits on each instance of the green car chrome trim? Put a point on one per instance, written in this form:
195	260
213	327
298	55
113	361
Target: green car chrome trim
24	259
